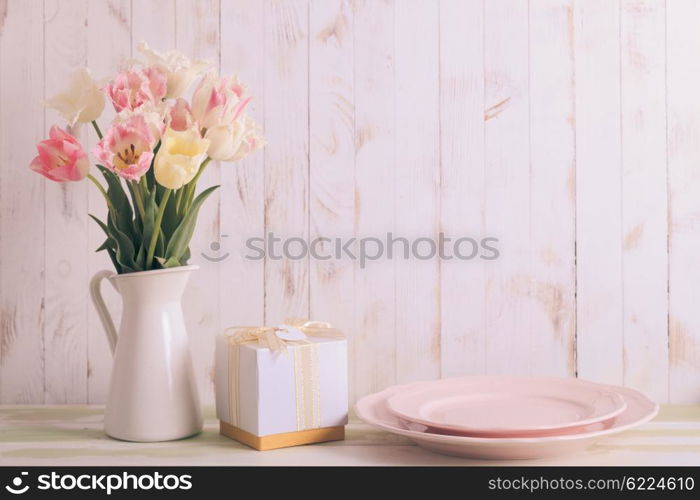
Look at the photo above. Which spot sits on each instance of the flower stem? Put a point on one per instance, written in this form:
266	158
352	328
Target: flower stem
201	169
102	190
192	185
156	228
97	129
178	200
138	198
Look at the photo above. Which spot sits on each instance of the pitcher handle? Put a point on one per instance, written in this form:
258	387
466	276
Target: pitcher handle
102	311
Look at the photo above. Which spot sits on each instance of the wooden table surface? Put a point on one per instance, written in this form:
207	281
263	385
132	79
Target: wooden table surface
72	435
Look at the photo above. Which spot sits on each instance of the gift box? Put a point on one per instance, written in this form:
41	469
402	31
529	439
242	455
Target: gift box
282	386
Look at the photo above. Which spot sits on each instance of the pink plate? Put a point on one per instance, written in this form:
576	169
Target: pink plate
597	426
502	406
373	410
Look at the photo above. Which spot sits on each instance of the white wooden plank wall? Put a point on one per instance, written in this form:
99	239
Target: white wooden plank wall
21	237
285	95
644	195
462	193
507	199
683	177
552	271
372	363
331	157
599	288
567	129
417	187
66	229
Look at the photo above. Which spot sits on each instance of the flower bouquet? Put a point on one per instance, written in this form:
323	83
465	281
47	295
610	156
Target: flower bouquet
150	159
152	154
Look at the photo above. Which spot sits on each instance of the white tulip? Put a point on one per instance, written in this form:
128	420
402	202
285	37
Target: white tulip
235	141
180	69
82	102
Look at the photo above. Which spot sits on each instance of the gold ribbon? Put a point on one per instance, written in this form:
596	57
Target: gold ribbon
293	332
269	336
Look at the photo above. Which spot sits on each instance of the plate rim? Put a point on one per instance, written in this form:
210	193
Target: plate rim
417	386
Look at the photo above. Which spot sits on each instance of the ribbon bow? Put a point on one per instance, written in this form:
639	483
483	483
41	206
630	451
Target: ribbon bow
276	338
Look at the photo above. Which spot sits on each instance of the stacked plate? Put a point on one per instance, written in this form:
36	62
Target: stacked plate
501	417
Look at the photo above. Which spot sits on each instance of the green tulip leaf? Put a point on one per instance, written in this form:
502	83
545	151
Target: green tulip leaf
170	217
125	248
160	243
185	256
171	262
181	237
106	245
124	216
141	257
150	173
109	244
101	224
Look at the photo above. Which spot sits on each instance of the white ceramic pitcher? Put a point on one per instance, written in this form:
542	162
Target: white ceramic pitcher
153	394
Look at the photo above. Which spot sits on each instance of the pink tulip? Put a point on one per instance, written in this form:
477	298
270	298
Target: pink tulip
132	87
127	148
180	117
218	101
61	157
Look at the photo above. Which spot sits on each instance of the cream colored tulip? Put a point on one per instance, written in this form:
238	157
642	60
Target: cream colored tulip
82	102
179	157
235	141
180	69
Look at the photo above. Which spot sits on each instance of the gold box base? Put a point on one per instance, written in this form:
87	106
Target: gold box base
285	439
